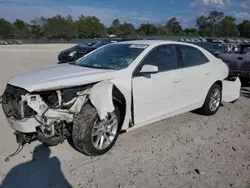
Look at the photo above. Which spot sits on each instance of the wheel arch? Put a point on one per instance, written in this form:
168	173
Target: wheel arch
104	95
120	101
219	82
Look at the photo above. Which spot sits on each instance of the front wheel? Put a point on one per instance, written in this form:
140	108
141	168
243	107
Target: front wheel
94	137
213	100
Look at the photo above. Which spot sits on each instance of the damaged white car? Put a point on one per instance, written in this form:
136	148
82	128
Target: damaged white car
115	88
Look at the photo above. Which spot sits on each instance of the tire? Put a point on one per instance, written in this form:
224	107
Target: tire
206	109
83	127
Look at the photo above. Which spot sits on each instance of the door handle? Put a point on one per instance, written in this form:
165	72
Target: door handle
208	73
239	58
177	80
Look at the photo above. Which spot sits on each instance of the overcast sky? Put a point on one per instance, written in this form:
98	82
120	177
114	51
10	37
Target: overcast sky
134	11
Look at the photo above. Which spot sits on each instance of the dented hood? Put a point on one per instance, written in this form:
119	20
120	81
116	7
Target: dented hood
60	76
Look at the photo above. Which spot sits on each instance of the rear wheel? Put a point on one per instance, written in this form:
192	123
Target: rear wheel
93	137
213	100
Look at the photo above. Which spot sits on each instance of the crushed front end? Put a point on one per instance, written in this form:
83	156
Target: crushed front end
46	115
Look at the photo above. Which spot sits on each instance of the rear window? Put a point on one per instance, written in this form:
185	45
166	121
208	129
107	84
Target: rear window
192	56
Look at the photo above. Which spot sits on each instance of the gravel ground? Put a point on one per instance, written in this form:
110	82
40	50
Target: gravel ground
189	150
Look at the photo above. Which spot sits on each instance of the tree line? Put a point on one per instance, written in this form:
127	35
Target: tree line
215	24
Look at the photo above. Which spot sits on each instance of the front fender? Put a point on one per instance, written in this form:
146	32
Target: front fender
101	97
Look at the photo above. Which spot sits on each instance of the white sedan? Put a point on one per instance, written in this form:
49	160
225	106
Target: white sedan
115	88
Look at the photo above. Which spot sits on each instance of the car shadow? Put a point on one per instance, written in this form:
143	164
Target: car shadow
42	171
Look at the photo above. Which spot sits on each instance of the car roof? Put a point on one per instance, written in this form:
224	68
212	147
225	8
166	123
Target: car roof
110	39
156	42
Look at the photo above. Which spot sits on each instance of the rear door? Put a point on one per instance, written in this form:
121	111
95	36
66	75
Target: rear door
197	74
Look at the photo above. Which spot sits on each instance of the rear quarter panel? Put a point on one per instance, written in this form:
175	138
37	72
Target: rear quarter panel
230	88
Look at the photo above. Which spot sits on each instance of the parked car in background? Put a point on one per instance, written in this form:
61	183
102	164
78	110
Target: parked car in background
80	50
210	39
91	43
239	41
10	41
197	40
229	41
117	87
213	48
238	62
246	41
2	42
18	42
219	41
203	39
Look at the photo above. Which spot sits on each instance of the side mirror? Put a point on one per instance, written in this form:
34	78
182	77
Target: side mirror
149	69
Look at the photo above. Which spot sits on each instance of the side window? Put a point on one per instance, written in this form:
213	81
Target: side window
192	56
164	57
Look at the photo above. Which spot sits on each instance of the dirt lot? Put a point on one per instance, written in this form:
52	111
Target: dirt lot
185	151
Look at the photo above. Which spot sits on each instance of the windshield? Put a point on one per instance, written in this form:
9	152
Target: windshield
113	56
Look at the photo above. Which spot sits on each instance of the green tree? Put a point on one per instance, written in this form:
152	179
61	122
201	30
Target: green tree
208	24
38	25
71	28
90	27
163	31
203	26
59	27
115	27
22	29
213	18
116	24
127	29
174	26
244	29
227	28
147	29
7	30
191	32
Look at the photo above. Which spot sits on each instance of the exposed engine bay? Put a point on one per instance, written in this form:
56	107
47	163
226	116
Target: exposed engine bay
52	111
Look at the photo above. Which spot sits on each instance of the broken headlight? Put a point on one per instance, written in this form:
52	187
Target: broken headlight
12	103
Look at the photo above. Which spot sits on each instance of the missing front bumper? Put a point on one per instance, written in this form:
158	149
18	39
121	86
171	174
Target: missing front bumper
25	126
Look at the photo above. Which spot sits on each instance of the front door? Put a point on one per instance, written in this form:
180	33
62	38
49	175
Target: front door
158	94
